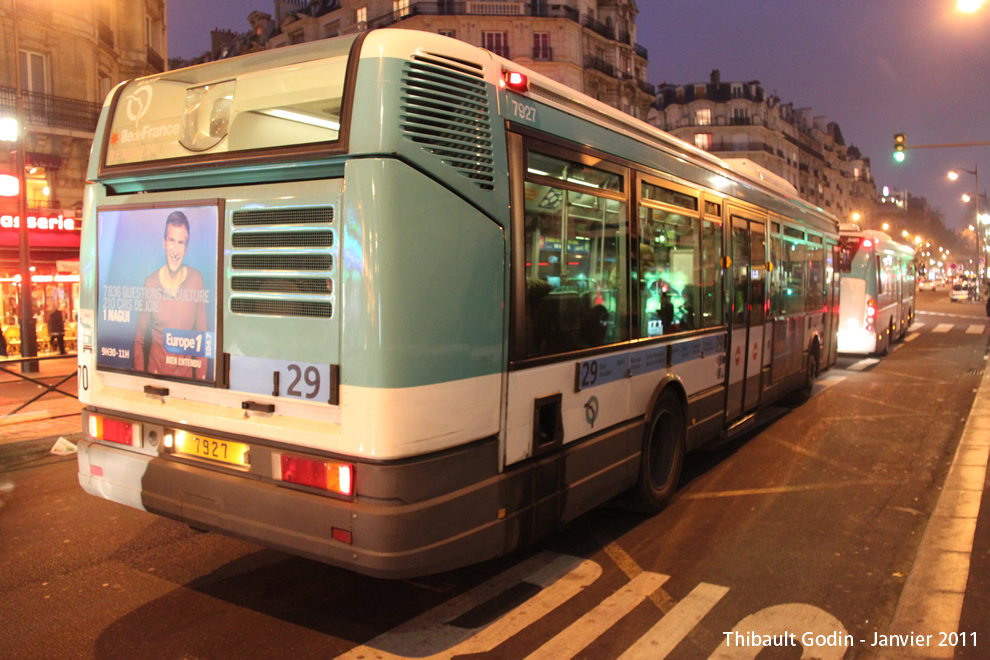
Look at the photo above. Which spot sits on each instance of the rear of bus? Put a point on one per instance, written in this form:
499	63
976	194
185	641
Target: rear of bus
858	300
292	301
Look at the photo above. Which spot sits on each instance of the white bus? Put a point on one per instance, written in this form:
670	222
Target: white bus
395	303
877	303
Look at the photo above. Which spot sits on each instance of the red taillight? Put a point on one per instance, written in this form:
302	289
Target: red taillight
111	430
325	475
515	81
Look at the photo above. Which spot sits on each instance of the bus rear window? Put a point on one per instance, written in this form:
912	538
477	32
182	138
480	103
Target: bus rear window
848	247
218	108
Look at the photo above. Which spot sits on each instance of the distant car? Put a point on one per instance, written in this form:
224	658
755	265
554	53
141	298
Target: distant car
926	285
959	291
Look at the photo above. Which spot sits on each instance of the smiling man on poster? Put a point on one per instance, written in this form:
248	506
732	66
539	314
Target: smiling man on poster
170	332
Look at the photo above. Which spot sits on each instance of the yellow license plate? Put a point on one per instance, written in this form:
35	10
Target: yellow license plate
225	451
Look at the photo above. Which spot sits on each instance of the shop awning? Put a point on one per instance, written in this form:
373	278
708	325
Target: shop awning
48	161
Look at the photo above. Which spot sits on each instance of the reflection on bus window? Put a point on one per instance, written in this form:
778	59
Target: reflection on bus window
793	267
669	265
711	274
576	270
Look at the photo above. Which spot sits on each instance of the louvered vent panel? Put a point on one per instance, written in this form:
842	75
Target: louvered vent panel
445	110
323	310
282	262
301	239
323	262
280	285
313	215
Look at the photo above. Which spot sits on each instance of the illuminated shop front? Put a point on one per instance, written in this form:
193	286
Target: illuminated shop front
53	237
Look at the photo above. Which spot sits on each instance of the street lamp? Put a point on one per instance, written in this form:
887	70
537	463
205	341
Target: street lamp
953	176
13	131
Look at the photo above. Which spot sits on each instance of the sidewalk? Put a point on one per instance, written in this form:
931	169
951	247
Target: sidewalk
41	423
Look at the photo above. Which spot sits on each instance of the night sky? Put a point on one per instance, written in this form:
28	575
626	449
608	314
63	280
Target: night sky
876	67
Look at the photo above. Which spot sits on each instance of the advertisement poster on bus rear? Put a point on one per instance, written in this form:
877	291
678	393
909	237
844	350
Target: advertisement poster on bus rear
157	291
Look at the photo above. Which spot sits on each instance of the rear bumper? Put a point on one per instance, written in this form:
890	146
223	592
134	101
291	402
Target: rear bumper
389	539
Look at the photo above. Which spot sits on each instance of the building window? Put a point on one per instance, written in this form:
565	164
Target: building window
740	117
497	42
541	46
448	33
703	141
154	31
703	117
362	15
400	8
34	76
296	37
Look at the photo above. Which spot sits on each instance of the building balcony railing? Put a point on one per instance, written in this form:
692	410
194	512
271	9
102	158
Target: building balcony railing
543	53
475	8
155	61
649	88
105	33
741	146
37	9
642	52
598	27
53	111
598	64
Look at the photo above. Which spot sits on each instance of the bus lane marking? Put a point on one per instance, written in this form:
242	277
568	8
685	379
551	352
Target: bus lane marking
863	364
435	633
787	625
577	636
671	630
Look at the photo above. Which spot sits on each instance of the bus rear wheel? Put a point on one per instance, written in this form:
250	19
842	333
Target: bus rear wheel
663	454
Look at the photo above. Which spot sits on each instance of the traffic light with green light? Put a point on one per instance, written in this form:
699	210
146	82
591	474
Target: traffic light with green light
900	144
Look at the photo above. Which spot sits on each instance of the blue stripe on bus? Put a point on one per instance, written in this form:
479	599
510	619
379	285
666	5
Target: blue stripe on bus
611	368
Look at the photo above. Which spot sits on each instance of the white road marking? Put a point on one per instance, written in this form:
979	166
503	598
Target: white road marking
863	364
943	327
795	619
915	327
431	635
577	636
675	626
912	336
975	329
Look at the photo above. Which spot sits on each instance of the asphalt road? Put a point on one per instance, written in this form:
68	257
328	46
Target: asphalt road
813	520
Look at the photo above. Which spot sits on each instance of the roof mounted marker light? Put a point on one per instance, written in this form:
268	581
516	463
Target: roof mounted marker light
515	81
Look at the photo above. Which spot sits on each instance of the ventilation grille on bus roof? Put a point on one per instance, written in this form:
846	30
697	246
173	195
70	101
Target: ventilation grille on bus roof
282	262
445	110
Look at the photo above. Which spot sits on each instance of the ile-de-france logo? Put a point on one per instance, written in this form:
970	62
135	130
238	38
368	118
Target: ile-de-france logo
137	103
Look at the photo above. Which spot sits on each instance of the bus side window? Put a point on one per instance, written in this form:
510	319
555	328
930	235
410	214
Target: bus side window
576	270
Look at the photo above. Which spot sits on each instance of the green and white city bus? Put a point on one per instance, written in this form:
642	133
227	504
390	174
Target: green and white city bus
877	294
395	303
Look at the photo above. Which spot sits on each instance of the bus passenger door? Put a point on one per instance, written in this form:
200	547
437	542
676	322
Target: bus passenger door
748	313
